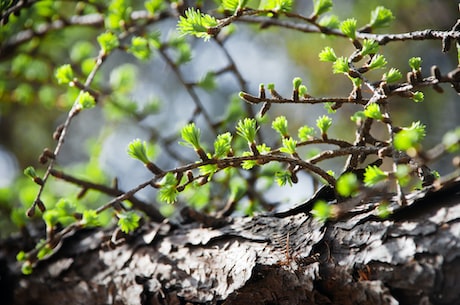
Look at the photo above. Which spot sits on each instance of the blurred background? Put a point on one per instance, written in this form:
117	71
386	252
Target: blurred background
147	100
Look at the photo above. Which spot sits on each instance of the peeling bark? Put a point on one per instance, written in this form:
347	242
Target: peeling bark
412	257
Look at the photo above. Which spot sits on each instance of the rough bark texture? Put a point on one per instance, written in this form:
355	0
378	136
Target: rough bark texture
413	257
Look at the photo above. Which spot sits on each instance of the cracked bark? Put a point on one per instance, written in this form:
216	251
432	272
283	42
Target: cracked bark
413	257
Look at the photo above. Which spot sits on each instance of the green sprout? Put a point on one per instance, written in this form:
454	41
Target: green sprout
409	137
191	135
327	54
373	175
140	48
108	41
321	6
392	75
340	65
306	133
277	5
90	219
418	97
247	129
321	211
32	174
64	74
154	6
85	101
348	27
330	21
283	178
289	146
369	47
168	191
128	221
303	91
415	63
138	150
222	145
196	23
323	123
347	185
381	17
377	62
373	111
280	124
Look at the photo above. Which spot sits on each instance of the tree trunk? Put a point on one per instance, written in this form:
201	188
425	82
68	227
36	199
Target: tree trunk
411	257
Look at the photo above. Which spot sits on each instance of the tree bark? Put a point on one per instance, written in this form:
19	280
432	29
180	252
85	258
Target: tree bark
411	257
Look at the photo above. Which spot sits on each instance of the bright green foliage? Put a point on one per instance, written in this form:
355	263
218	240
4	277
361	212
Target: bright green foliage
289	146
138	150
340	65
415	63
51	218
369	47
296	82
373	175
381	17
128	221
306	133
233	5
154	6
222	145
347	185
208	169
30	172
196	23
168	191
90	219
283	178
247	129
418	97
64	74
321	211
327	54
330	21
409	137
118	16
85	101
191	135
321	6
277	5
26	268
140	48
392	76
108	41
373	111
280	124
348	27
303	91
323	123
451	140
377	62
